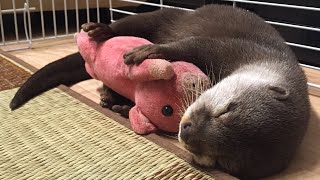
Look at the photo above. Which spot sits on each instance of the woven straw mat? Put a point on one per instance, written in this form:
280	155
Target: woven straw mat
55	136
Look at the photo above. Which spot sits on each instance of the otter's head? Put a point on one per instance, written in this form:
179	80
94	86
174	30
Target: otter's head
245	118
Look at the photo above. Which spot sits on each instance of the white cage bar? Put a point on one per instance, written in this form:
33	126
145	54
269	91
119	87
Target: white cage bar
29	35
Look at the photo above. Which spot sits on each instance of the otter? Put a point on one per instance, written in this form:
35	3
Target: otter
251	122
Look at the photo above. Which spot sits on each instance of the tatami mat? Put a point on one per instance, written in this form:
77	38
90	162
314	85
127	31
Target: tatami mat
56	136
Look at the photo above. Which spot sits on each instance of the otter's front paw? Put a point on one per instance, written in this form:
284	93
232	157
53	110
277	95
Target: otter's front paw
107	99
98	31
122	110
138	54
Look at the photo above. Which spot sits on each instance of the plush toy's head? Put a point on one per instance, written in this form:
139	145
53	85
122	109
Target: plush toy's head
160	89
164	101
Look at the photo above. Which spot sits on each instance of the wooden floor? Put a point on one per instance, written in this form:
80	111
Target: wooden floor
44	52
306	164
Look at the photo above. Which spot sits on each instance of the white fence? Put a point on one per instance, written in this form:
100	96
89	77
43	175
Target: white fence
26	7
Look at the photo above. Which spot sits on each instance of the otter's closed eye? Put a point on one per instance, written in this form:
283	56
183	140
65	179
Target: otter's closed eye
229	108
232	106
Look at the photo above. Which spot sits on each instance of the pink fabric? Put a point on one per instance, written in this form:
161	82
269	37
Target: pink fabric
152	85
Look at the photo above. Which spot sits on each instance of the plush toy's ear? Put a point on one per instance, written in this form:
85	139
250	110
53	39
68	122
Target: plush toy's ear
86	45
150	70
278	92
161	70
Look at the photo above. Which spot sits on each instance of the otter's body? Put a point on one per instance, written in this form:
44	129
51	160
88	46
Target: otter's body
252	121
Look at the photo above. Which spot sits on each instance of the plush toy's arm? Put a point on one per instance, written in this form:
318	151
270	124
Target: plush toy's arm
87	46
151	69
139	123
90	71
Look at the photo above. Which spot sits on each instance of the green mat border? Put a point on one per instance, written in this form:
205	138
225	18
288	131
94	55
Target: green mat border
164	142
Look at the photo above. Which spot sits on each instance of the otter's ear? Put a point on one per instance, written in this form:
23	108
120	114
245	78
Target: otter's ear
279	93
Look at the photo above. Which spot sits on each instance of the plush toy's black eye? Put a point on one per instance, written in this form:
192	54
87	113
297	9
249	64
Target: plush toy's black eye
167	110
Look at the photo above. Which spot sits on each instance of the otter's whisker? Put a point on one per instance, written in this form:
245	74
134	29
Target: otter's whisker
220	72
186	97
185	100
212	76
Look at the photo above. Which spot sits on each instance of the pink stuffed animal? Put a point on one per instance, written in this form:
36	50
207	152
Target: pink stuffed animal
156	86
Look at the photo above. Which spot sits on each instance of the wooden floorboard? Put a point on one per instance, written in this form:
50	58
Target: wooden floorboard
306	164
44	52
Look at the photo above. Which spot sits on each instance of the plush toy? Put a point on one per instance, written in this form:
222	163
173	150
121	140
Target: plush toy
156	86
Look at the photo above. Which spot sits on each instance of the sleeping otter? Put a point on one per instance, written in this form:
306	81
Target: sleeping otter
252	121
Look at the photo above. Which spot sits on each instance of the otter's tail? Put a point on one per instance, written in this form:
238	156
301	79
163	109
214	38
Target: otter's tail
67	71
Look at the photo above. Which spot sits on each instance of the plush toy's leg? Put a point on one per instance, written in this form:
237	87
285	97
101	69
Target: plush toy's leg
139	123
115	102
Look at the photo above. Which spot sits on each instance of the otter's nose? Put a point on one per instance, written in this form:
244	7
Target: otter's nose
186	126
185	131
